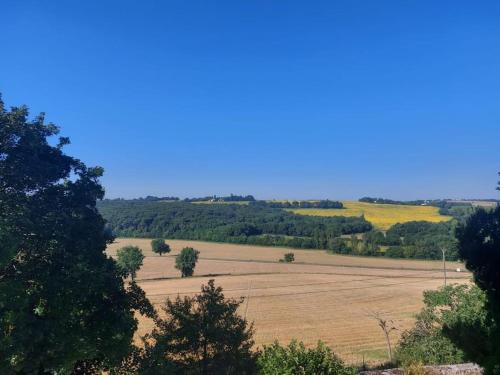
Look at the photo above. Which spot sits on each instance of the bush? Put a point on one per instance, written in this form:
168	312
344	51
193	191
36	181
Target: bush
295	359
452	314
289	257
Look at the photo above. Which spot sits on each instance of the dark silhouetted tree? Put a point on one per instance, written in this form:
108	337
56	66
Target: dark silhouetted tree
63	303
202	334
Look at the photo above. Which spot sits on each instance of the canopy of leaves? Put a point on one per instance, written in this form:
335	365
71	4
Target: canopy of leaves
200	335
130	259
159	246
453	316
186	261
62	300
479	247
295	359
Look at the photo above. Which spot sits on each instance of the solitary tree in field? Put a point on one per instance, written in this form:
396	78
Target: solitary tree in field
63	304
186	261
159	246
288	258
202	334
130	259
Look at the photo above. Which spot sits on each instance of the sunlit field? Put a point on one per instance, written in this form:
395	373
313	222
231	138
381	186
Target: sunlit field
319	297
382	216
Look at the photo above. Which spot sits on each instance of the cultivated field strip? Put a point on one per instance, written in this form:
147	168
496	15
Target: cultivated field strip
226	251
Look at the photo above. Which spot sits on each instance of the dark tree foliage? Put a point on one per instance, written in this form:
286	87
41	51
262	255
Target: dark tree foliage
149	198
159	246
63	304
186	261
288	258
479	248
340	246
423	240
226	223
300	204
454	317
200	335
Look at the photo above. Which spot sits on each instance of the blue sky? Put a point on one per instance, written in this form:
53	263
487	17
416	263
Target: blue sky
280	99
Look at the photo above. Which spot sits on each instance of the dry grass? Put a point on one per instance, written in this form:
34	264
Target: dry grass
382	216
321	297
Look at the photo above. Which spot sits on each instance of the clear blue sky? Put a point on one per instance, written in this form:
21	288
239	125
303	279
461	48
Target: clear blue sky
280	99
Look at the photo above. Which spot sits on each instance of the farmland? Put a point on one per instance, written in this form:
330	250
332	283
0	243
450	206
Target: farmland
319	297
382	216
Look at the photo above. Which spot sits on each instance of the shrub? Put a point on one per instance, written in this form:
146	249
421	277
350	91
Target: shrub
451	315
295	359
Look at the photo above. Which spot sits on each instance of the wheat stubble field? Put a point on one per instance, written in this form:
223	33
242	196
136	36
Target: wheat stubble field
319	297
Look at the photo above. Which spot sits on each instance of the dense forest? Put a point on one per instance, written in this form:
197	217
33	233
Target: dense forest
414	239
248	224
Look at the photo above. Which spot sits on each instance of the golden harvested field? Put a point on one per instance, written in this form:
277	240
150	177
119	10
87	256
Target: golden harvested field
382	216
320	297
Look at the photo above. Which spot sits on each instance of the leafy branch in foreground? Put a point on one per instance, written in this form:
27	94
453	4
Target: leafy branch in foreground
63	304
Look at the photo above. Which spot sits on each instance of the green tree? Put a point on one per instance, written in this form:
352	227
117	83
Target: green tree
63	303
186	261
202	334
295	359
479	248
159	246
447	312
288	258
130	259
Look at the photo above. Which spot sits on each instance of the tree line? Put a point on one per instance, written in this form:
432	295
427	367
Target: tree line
414	239
299	204
229	198
246	224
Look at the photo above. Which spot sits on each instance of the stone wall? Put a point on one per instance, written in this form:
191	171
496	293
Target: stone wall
463	369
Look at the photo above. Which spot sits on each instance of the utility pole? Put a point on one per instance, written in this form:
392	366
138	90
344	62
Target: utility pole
248	298
443	250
